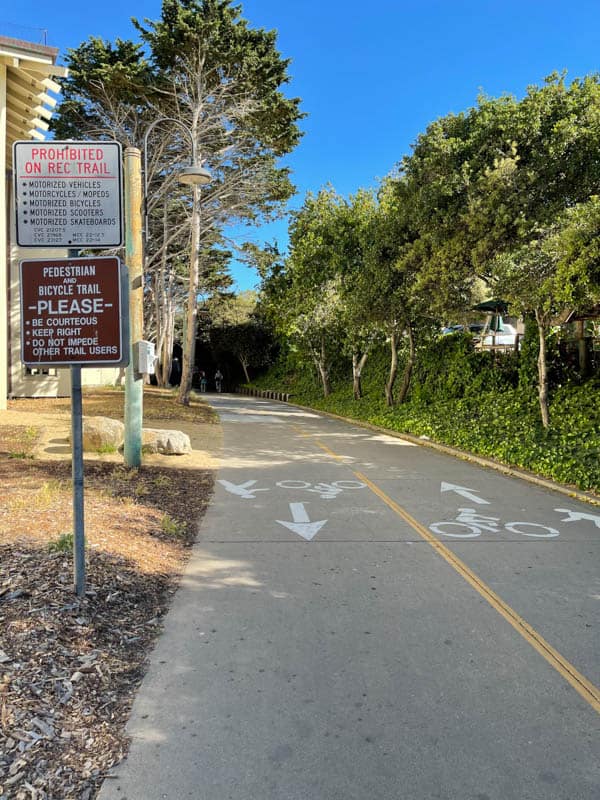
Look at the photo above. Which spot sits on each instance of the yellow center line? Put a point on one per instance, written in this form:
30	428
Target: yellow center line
587	690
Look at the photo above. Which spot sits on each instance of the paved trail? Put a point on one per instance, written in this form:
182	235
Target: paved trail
365	619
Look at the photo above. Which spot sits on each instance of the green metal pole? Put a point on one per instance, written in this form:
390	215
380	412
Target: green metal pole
134	381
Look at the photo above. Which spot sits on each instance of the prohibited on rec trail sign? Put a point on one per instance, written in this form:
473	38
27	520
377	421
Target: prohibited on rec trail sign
68	194
71	311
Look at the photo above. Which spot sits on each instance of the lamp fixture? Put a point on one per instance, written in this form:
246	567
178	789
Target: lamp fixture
194	176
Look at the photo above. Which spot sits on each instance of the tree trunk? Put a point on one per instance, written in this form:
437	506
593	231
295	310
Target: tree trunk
543	370
324	379
166	357
189	344
323	368
410	363
170	337
160	346
389	387
162	306
357	368
582	349
244	364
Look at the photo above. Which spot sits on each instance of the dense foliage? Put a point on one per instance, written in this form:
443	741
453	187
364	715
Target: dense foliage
495	202
477	402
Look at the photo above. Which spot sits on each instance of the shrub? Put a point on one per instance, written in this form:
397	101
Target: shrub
480	402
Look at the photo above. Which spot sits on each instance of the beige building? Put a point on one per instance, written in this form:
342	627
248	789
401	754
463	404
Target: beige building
27	99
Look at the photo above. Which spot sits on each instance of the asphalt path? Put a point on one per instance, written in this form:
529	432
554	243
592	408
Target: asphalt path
367	619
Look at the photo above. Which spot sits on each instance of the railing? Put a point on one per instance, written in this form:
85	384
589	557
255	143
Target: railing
284	397
568	349
486	344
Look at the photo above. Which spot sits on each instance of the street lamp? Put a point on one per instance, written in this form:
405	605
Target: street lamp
192	175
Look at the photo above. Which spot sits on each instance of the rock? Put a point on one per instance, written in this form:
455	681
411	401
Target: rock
149	441
170	443
102	434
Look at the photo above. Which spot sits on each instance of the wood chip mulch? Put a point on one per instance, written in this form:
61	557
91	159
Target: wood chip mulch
70	667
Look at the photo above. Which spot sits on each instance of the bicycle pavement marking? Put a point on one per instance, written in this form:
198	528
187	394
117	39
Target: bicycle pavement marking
585	688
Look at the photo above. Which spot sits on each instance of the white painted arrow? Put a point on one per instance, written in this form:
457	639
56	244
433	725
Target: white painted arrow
464	492
301	523
576	516
242	489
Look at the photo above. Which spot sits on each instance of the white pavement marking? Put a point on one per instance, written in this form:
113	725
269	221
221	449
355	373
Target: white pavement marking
463	491
301	523
515	527
470	517
326	491
476	524
242	489
575	516
383	437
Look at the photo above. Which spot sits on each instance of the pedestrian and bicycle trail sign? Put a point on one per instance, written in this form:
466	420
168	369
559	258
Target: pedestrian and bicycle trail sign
73	311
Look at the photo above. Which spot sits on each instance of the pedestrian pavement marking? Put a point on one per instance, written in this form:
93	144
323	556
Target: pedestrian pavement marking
587	690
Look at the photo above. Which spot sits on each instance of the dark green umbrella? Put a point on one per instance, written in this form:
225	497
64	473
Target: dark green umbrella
492	306
495	308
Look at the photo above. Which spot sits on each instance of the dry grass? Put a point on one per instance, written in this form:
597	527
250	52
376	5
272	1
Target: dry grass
110	402
19	441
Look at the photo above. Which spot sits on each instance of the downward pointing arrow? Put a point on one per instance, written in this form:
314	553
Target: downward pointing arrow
301	523
464	492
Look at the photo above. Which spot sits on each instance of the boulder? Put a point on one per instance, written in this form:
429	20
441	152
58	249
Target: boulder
170	443
102	434
149	441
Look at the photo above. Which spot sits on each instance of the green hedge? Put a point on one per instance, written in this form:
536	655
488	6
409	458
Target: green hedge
477	402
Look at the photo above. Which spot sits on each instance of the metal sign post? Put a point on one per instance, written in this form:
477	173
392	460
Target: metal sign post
77	475
74	313
77	480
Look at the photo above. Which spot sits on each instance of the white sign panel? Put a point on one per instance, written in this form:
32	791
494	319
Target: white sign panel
68	194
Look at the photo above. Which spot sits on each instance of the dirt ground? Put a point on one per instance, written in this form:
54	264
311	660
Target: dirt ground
69	667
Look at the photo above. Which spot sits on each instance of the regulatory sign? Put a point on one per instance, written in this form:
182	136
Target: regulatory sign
68	194
71	311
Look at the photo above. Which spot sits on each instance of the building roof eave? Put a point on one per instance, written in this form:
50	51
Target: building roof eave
30	70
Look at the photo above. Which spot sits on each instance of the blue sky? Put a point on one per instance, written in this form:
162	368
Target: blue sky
371	75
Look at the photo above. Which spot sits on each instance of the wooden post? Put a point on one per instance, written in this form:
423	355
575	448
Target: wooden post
134	381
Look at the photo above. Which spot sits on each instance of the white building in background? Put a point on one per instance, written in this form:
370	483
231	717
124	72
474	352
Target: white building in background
27	101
